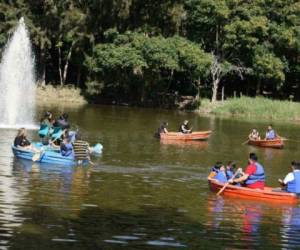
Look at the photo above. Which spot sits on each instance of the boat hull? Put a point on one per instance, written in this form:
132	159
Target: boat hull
50	157
267	194
277	143
201	135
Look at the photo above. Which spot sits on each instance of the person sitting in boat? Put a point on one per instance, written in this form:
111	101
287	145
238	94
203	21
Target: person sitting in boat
270	134
45	124
81	149
254	135
21	141
221	175
163	128
62	122
230	169
184	127
215	169
45	128
66	147
254	175
291	182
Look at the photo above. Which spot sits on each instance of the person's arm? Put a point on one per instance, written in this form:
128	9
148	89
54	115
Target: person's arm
165	130
289	177
183	128
245	175
241	179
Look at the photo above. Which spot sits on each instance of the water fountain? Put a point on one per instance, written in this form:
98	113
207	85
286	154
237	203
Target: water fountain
17	81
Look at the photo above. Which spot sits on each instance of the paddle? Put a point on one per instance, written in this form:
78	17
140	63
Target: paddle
245	142
227	183
37	155
287	139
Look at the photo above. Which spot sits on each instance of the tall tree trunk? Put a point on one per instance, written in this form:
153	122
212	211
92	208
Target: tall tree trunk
198	84
258	87
59	67
215	86
65	72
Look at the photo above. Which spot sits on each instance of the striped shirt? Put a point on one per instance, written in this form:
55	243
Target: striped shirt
81	150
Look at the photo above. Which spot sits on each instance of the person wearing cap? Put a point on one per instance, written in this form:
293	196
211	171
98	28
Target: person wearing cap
221	175
270	134
291	182
254	175
254	135
214	170
184	127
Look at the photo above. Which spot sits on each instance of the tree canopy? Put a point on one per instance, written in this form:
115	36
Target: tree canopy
138	51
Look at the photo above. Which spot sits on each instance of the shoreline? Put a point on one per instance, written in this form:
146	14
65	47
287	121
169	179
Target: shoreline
68	95
252	108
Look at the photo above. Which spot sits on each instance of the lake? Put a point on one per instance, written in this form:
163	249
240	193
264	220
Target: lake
141	193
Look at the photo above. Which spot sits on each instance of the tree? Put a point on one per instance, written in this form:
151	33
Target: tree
267	67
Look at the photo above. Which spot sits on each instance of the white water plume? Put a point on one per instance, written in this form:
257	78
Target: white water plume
17	81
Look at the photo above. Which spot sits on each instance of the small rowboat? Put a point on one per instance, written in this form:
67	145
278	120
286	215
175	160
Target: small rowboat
268	194
47	156
276	143
200	135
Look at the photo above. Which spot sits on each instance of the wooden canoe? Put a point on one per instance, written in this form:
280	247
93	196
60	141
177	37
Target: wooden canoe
200	135
276	143
268	194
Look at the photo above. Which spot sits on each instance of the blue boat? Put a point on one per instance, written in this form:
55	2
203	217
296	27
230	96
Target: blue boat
96	150
47	156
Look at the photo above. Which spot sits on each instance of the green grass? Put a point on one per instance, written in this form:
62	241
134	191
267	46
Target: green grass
258	107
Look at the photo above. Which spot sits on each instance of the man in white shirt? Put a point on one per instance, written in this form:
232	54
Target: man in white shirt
292	180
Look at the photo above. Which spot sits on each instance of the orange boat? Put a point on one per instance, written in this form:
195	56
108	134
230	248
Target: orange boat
268	194
200	135
276	143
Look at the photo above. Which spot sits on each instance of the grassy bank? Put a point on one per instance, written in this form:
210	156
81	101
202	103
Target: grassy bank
54	96
258	107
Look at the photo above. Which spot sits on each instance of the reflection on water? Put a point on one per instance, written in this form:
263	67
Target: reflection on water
201	145
256	222
143	193
291	227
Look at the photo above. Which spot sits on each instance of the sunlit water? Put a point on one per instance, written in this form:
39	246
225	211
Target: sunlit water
17	81
143	194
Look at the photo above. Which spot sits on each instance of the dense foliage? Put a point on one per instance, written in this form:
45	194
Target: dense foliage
147	52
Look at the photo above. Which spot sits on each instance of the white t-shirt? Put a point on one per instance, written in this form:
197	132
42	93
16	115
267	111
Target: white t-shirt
289	177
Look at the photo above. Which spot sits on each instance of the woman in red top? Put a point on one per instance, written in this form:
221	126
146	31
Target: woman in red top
254	175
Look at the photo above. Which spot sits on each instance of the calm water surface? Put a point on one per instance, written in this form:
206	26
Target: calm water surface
144	194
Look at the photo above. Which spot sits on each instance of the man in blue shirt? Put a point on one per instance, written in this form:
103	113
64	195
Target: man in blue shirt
270	134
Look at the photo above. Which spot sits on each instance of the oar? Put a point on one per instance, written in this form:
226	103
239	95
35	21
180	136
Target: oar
245	142
37	155
227	183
